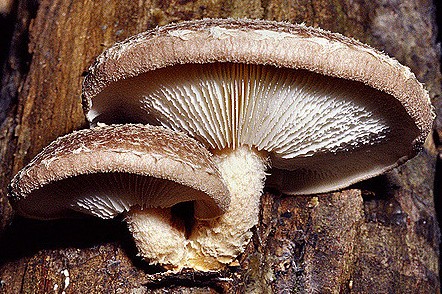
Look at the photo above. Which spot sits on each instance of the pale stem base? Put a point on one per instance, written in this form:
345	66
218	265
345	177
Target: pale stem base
160	238
212	243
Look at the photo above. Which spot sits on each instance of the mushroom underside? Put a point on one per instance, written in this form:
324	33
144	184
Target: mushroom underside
327	132
105	195
164	182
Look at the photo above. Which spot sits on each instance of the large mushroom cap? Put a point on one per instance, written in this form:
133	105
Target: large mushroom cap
330	110
106	170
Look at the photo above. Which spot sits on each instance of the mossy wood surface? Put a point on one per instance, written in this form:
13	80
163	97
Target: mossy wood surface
380	236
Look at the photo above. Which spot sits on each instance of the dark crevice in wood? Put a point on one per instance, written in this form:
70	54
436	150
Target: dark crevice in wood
15	36
380	187
7	25
190	278
25	237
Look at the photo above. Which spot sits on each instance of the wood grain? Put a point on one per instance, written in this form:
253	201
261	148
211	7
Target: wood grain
381	236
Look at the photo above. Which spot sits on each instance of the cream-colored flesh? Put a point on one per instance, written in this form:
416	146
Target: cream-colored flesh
211	244
159	237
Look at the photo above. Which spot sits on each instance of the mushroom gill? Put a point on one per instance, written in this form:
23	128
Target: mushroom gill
324	110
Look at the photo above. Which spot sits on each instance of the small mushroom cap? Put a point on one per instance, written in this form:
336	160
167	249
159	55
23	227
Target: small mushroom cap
108	169
330	110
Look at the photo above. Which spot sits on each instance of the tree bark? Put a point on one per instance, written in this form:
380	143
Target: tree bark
380	236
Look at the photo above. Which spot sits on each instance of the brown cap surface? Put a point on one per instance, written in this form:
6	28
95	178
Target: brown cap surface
105	170
347	112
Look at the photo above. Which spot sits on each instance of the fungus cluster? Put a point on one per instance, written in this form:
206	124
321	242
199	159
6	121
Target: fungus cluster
319	110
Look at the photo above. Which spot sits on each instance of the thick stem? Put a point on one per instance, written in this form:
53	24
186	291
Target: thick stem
160	238
212	244
218	242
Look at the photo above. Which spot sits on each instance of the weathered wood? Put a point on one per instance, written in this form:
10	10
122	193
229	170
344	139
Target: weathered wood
381	236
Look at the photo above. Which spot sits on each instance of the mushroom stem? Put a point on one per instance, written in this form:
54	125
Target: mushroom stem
215	243
160	238
212	243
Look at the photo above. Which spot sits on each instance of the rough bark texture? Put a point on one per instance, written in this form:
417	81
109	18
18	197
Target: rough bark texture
381	236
